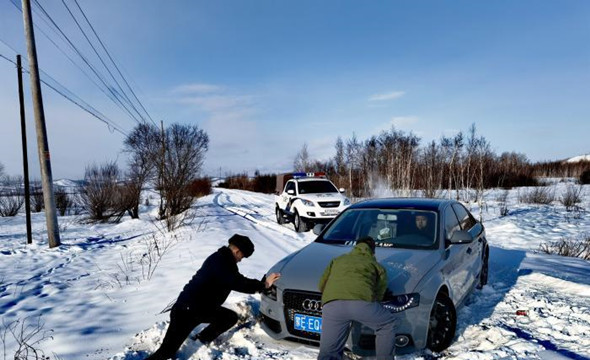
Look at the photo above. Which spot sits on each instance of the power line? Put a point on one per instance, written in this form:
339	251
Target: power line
78	101
116	94
113	61
125	97
115	97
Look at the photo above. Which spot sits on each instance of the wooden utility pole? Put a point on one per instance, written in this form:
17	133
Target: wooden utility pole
42	144
23	128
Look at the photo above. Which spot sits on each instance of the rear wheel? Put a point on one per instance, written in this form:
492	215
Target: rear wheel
483	274
299	223
280	217
442	324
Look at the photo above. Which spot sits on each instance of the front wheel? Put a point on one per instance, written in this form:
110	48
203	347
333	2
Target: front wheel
280	217
442	324
299	223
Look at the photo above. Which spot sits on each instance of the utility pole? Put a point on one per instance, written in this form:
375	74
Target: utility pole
23	128
42	144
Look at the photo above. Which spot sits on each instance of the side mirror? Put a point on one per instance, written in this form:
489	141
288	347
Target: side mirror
342	190
461	237
291	192
318	228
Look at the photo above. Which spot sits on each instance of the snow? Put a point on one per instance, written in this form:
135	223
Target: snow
98	298
579	158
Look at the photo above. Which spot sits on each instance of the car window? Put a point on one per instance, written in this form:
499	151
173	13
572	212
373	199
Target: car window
315	187
451	222
400	228
466	220
290	186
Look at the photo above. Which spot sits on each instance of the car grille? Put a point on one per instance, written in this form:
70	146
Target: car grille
329	204
293	303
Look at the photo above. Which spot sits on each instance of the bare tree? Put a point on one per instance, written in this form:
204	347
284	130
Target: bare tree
1	170
183	153
452	148
143	144
302	160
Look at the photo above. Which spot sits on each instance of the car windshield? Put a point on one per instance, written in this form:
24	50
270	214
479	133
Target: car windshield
316	186
398	228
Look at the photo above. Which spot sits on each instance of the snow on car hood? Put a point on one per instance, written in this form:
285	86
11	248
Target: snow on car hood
405	268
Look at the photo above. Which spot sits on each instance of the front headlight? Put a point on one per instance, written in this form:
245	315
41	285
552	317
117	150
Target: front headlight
307	203
399	303
347	201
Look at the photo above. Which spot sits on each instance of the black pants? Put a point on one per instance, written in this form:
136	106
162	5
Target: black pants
184	319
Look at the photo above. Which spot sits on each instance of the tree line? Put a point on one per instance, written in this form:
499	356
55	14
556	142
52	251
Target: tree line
460	166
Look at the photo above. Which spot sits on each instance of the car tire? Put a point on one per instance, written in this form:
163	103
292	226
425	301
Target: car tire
483	273
280	216
442	324
299	223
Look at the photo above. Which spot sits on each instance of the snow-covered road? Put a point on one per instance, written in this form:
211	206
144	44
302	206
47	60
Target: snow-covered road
95	297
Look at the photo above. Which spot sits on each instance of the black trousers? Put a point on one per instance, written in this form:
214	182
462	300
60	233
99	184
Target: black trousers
184	319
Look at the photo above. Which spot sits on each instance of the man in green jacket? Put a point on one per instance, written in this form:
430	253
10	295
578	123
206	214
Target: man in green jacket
352	287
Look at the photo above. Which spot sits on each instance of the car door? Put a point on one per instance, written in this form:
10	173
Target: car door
474	255
456	267
285	198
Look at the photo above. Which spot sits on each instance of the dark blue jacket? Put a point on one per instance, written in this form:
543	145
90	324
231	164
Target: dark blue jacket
213	282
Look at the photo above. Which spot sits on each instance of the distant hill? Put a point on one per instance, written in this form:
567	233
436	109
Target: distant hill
576	159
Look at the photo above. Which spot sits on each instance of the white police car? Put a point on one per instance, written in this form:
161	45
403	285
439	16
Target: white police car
308	199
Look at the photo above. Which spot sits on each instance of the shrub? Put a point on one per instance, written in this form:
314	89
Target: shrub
63	202
585	177
11	201
101	196
539	195
571	197
37	201
579	247
503	203
200	187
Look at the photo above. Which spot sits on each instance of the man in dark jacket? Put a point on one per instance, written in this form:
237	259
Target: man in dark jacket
352	287
201	299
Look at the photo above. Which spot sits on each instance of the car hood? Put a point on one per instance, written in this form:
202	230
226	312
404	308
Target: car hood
303	270
322	196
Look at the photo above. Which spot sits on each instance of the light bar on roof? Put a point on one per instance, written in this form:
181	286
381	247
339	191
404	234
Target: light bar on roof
309	174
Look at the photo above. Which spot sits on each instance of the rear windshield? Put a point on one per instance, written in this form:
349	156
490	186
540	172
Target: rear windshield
314	187
398	228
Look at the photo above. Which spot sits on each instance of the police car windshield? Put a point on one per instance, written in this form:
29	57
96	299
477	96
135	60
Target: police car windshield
316	186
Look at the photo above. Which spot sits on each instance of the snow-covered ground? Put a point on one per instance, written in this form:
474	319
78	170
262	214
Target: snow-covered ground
99	296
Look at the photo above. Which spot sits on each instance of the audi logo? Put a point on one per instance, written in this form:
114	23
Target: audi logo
312	305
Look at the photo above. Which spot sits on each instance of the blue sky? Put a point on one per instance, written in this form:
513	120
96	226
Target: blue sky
265	77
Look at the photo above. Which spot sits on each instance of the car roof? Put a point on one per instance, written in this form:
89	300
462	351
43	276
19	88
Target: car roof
311	179
404	203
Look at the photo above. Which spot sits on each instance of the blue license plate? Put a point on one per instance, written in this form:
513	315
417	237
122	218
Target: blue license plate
308	323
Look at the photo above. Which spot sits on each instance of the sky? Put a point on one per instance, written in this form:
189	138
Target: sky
263	78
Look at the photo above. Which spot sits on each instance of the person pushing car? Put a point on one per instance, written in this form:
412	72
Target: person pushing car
201	299
352	287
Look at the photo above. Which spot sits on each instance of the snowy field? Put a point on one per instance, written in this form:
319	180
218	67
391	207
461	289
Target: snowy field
100	294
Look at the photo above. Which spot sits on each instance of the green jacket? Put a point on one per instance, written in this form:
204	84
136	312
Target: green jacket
354	276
